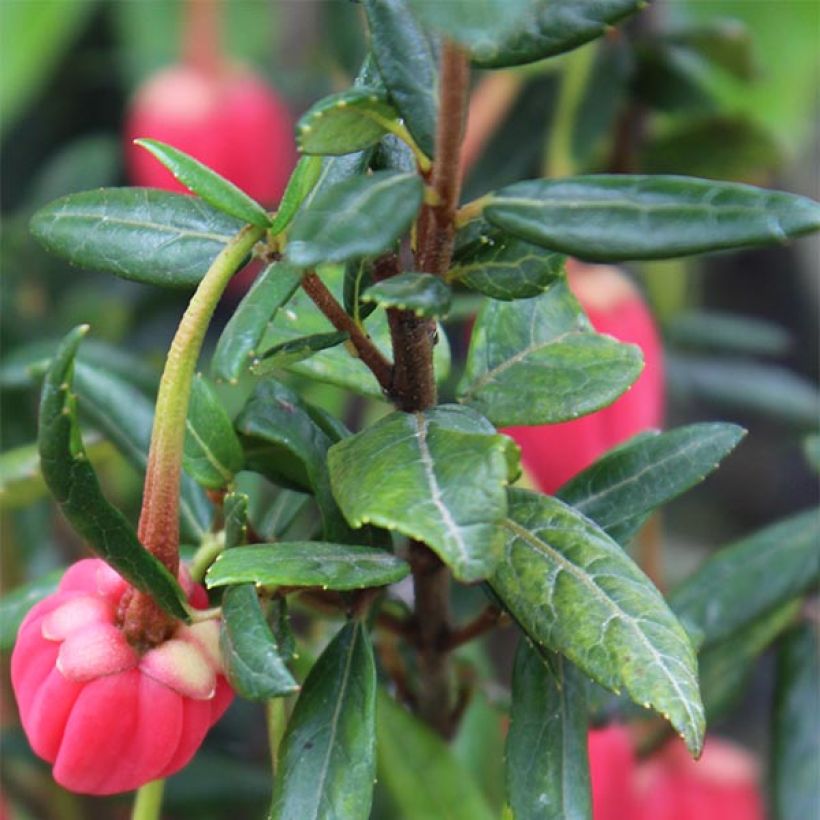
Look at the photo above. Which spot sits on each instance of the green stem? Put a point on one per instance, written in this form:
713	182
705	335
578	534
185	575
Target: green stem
148	802
159	518
210	548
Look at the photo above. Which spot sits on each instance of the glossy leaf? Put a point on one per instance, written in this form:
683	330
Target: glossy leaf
795	754
206	183
420	772
252	661
538	361
423	293
612	218
437	476
728	333
137	233
750	576
346	122
328	757
502	266
624	485
361	216
14	605
546	755
213	454
301	183
407	64
125	416
72	481
555	26
239	342
336	365
307	564
575	591
287	353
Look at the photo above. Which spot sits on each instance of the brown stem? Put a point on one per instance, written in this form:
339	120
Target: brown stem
368	352
484	622
201	41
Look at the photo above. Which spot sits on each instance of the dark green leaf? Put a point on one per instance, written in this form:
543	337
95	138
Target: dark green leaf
213	454
336	365
728	333
503	266
795	751
747	578
437	476
546	756
407	64
423	293
125	416
555	26
811	450
206	183
646	472
725	43
667	80
621	217
235	511
14	605
301	183
575	591
346	122
237	346
137	233
538	361
307	564
766	390
420	772
357	217
328	756
284	354
284	443
250	652
72	481
358	277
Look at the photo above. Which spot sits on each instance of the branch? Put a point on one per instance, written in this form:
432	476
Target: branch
484	622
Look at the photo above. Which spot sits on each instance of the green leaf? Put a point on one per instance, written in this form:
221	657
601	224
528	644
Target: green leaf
307	564
420	772
750	576
125	416
437	476
284	354
72	481
346	122
137	233
555	26
328	756
612	218
235	511
206	183
795	753
301	183
239	342
726	43
575	591
479	25
213	454
627	483
407	64
358	277
502	266
546	755
361	216
14	605
335	365
811	450
284	443
538	361
423	293
728	333
252	660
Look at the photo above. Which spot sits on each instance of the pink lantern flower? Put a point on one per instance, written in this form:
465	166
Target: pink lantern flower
109	716
554	453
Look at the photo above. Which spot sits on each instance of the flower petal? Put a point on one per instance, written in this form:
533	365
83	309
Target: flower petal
76	614
183	667
97	650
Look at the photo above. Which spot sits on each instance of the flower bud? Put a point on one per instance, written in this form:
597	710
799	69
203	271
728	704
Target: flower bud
111	717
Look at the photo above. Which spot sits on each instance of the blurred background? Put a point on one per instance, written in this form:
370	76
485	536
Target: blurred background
716	88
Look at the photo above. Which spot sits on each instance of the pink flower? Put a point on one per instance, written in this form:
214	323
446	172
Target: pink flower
229	119
612	772
554	453
108	717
